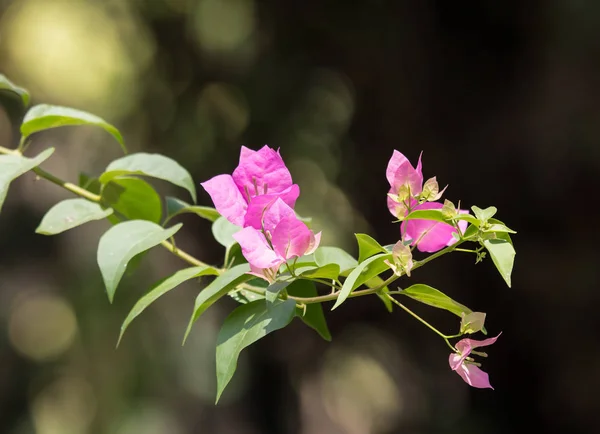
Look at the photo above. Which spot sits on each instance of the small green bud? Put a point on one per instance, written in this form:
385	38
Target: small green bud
472	322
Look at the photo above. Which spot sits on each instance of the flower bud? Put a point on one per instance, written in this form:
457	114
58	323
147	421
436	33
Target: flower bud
431	190
449	210
402	259
472	322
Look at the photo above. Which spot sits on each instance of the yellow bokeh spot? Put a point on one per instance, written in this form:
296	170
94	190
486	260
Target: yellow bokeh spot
42	326
72	53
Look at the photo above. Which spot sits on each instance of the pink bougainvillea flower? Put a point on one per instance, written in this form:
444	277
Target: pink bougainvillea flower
260	177
430	235
283	237
468	370
403	179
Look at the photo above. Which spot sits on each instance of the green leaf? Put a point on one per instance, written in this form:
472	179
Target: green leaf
153	165
13	166
469	218
367	247
244	326
470	231
503	254
427	214
364	271
432	297
498	228
43	117
70	213
9	86
218	288
121	243
275	288
222	230
376	282
329	272
133	198
161	288
484	214
314	316
333	255
176	207
89	183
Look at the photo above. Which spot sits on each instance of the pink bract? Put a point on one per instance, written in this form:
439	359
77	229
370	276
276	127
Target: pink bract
430	235
261	177
469	372
285	237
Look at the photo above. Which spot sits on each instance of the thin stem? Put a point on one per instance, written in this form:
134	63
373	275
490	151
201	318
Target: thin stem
96	198
67	185
417	317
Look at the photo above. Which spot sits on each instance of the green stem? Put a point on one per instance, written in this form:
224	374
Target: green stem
417	317
96	198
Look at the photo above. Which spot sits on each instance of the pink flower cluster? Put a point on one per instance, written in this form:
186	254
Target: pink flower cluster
406	188
259	197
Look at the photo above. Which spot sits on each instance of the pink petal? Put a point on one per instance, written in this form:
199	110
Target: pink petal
429	235
245	153
474	376
400	172
259	204
396	161
256	249
227	198
278	211
398	209
261	172
268	274
464	346
292	238
314	244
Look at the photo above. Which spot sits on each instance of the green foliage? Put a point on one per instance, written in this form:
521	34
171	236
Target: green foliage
223	230
329	271
334	255
364	271
43	117
367	247
503	255
313	315
70	213
177	207
432	297
244	326
161	288
152	165
121	243
13	166
224	283
8	86
133	198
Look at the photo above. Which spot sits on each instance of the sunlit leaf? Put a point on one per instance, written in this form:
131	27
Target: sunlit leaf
427	214
8	86
153	165
122	242
432	297
367	247
484	214
13	166
133	198
223	230
70	213
43	117
329	272
503	254
333	255
364	271
244	326
161	288
219	287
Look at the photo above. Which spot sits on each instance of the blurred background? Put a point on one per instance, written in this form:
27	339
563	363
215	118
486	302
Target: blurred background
502	97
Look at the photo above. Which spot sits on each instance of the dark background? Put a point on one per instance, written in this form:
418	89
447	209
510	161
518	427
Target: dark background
502	97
